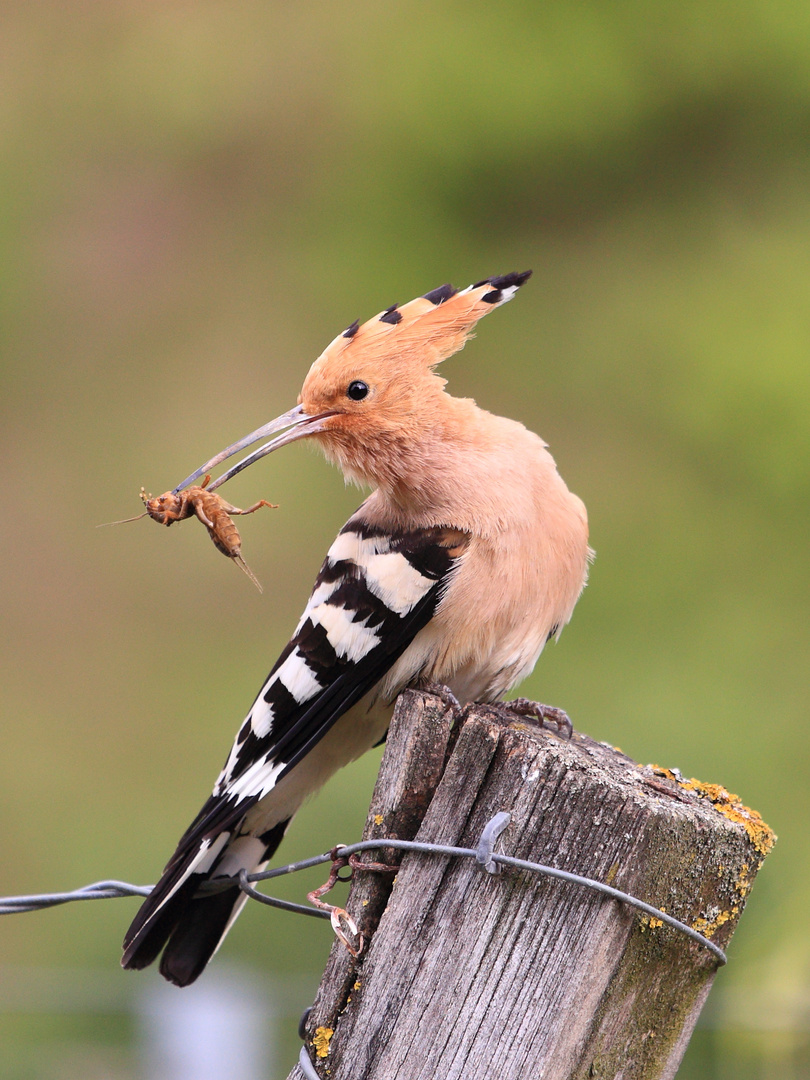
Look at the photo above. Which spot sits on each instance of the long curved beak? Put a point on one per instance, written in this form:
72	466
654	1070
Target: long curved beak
299	425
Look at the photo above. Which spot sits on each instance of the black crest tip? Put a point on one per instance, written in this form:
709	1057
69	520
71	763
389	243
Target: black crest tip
506	281
391	315
511	282
438	296
350	331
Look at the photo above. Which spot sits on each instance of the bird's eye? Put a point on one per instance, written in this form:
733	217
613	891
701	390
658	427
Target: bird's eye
357	390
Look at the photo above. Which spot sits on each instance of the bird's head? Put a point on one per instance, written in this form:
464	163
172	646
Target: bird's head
373	392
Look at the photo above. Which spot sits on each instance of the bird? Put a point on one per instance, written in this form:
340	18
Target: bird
468	555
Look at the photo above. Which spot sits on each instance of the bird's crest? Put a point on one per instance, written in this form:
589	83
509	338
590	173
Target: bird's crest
428	329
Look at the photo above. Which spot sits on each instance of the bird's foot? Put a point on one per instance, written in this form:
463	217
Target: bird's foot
550	717
446	695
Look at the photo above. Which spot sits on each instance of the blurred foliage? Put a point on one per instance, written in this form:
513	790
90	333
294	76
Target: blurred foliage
197	197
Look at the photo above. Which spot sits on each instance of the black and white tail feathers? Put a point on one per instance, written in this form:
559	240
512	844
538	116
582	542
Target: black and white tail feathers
193	925
376	590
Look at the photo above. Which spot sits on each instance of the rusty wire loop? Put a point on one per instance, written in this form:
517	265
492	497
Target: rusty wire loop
343	855
338	915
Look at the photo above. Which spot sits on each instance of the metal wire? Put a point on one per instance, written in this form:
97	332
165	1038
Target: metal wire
482	853
306	1066
100	890
523	864
273	901
488	860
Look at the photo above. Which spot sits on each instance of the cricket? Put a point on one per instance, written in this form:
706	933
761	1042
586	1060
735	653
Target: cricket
211	509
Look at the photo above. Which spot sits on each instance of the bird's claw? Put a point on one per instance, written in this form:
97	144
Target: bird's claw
550	717
446	695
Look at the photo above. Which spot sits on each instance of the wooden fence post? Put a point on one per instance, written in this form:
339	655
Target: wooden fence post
513	975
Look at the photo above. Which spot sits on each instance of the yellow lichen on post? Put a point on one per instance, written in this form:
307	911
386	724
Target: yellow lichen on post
321	1039
742	882
731	806
708	927
650	921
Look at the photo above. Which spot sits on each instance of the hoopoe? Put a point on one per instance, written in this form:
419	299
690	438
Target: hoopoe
469	554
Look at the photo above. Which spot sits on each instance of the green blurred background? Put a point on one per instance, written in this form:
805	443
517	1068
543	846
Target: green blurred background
195	199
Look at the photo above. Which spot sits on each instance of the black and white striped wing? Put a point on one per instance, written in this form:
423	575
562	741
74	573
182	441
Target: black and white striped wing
374	593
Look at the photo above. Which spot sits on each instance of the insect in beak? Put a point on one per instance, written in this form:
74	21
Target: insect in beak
298	424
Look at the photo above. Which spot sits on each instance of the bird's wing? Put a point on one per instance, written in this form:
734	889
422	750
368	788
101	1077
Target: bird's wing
374	593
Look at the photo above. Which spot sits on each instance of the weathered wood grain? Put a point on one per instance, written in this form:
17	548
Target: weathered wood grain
412	765
516	975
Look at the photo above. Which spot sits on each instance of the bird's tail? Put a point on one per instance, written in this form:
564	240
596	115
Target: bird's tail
188	926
